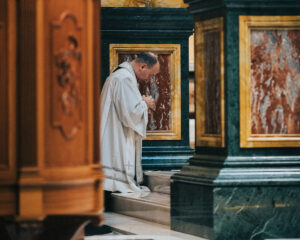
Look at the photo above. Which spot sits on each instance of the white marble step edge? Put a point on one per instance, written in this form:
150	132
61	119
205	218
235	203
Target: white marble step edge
159	181
139	229
154	207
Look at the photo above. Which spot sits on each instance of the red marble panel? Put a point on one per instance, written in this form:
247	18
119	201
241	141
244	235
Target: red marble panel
160	89
275	81
212	82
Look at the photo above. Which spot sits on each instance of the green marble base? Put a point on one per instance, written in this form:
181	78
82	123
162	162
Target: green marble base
229	203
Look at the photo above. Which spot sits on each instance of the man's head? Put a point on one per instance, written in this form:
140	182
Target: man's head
145	66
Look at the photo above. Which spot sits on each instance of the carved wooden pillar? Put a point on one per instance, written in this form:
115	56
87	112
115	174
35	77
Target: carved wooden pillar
54	100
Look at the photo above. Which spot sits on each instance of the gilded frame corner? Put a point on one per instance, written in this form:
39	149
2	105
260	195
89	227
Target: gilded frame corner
203	138
246	24
175	74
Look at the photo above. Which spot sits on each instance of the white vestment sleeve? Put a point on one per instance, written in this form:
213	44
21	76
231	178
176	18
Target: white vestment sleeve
131	108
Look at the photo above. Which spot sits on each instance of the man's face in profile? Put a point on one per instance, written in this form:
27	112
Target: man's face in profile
147	73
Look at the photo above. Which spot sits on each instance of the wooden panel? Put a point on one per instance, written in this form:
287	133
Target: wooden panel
66	124
27	83
165	121
209	74
7	107
69	199
4	105
97	80
269	57
8	200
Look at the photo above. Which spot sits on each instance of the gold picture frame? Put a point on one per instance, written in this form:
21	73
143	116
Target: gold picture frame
209	52
171	127
269	116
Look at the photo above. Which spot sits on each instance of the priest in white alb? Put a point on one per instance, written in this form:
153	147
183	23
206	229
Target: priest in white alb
124	117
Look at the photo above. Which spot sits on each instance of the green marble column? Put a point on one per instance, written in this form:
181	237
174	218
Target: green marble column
244	179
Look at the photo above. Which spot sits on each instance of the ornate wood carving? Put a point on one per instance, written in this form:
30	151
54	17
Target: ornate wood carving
66	75
56	84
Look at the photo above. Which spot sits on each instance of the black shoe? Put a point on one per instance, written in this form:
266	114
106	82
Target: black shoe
91	230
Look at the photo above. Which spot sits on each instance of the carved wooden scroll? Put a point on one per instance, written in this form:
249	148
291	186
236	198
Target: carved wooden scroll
66	75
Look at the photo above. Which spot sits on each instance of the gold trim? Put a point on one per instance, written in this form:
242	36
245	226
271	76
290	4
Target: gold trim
174	50
203	139
246	24
90	80
142	3
40	74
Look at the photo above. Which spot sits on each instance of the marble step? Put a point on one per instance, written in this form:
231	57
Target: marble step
151	206
130	228
159	181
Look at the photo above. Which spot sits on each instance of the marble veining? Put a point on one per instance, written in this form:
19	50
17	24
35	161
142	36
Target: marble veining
160	89
257	213
275	81
212	82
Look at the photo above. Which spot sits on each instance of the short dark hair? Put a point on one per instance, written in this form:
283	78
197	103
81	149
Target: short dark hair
146	57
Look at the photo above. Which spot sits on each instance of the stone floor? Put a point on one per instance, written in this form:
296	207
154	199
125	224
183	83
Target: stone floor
127	228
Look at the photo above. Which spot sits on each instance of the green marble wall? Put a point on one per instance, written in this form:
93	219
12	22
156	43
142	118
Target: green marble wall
233	192
153	26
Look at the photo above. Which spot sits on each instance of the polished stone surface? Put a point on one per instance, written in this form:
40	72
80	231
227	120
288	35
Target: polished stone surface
212	82
133	228
257	212
275	81
191	209
159	181
239	193
151	206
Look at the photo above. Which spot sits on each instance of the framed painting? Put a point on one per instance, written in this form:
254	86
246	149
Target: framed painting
209	74
269	81
165	121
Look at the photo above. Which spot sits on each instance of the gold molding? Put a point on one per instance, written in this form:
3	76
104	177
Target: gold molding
143	3
174	50
202	138
246	24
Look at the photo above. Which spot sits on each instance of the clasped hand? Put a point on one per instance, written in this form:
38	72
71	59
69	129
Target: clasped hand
149	101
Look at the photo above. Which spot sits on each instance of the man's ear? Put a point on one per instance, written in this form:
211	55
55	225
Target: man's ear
143	65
